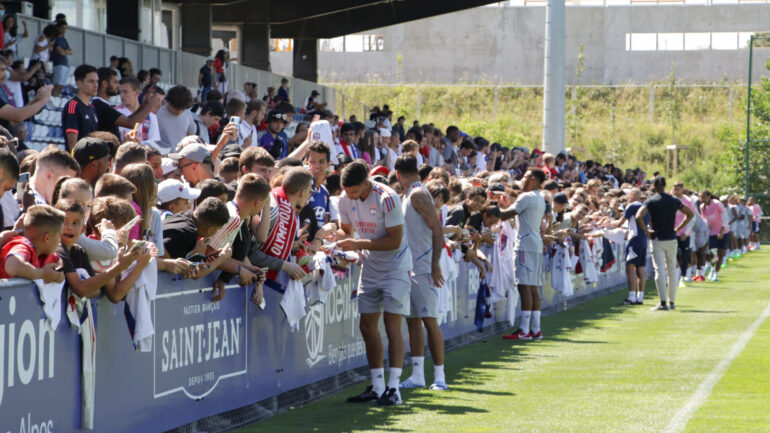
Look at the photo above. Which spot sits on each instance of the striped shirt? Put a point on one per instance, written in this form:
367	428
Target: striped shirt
228	232
79	118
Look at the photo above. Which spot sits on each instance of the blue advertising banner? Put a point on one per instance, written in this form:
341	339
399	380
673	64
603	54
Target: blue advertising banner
206	358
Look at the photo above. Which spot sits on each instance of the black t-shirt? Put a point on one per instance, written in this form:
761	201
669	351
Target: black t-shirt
308	214
456	216
180	234
662	208
107	116
74	258
78	118
475	221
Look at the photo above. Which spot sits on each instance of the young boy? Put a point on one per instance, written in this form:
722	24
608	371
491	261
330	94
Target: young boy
174	197
229	170
32	256
77	269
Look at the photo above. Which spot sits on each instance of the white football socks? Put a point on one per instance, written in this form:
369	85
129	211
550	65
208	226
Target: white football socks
378	380
438	374
394	378
535	321
639	296
525	316
418	370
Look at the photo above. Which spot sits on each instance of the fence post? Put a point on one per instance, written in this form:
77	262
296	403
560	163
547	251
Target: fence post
419	102
732	99
652	104
496	96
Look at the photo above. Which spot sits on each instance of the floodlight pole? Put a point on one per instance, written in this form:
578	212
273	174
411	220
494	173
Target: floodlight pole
554	101
748	118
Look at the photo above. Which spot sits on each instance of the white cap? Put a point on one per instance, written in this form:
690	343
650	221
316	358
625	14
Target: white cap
172	189
167	165
385	133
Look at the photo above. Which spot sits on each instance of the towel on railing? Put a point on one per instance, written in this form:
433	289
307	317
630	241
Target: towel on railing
137	310
293	303
50	296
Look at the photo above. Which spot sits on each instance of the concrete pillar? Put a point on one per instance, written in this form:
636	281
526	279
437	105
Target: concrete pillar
196	28
123	18
554	104
254	47
306	59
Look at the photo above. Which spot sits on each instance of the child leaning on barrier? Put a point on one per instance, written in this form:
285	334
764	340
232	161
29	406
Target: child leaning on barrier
32	255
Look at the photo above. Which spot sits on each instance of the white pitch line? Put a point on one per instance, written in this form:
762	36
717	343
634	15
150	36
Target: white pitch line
703	392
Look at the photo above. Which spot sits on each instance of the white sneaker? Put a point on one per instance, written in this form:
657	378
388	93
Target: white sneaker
687	279
681	283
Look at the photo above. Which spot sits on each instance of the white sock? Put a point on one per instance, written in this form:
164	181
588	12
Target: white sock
631	296
701	272
394	377
438	373
535	321
639	296
716	275
418	370
524	325
378	380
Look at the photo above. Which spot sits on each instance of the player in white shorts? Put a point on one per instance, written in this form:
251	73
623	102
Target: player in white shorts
528	209
426	239
373	212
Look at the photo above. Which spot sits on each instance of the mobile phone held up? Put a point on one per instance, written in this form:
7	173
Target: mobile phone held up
236	120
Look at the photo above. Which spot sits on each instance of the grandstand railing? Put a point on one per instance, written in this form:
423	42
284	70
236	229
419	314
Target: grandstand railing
178	67
226	363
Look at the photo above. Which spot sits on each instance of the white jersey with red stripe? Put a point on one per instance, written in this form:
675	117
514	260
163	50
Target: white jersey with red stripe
370	218
228	232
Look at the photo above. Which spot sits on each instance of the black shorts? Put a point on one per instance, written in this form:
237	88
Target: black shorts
721	244
638	250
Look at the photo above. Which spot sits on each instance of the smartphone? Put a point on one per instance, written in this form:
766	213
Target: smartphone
197	258
14	142
236	120
21	184
129	225
137	245
262	304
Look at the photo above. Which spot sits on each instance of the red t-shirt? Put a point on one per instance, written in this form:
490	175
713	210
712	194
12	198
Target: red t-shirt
23	248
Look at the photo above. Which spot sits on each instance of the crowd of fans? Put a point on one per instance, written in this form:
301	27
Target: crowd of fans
238	186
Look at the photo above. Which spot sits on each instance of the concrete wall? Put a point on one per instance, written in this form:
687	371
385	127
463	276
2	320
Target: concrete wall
505	45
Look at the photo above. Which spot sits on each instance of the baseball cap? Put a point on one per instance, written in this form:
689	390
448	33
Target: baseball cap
536	153
496	187
89	149
314	93
560	198
194	152
276	115
167	165
172	189
385	133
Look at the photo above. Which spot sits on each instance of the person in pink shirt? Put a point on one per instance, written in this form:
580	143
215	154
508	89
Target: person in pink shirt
756	218
684	240
716	217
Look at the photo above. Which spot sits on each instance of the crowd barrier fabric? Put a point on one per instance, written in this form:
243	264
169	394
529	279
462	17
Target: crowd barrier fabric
206	357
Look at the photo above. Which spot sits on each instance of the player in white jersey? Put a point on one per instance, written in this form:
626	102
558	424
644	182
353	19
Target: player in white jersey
528	209
373	211
426	240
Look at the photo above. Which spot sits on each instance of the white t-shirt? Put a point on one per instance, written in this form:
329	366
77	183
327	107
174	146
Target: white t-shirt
149	127
11	210
16	92
246	129
481	162
381	209
323	131
530	208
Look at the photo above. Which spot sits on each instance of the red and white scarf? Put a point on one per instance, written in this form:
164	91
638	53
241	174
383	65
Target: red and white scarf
281	237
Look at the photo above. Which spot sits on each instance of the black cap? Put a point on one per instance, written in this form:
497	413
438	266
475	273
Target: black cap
276	115
560	198
215	108
344	159
314	93
89	149
496	187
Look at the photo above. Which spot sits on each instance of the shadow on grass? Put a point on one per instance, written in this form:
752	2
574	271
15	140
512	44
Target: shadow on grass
688	310
469	369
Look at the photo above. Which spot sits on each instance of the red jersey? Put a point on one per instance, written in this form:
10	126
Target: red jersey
23	248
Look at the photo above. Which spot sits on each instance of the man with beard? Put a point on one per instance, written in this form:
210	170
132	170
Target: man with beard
108	118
